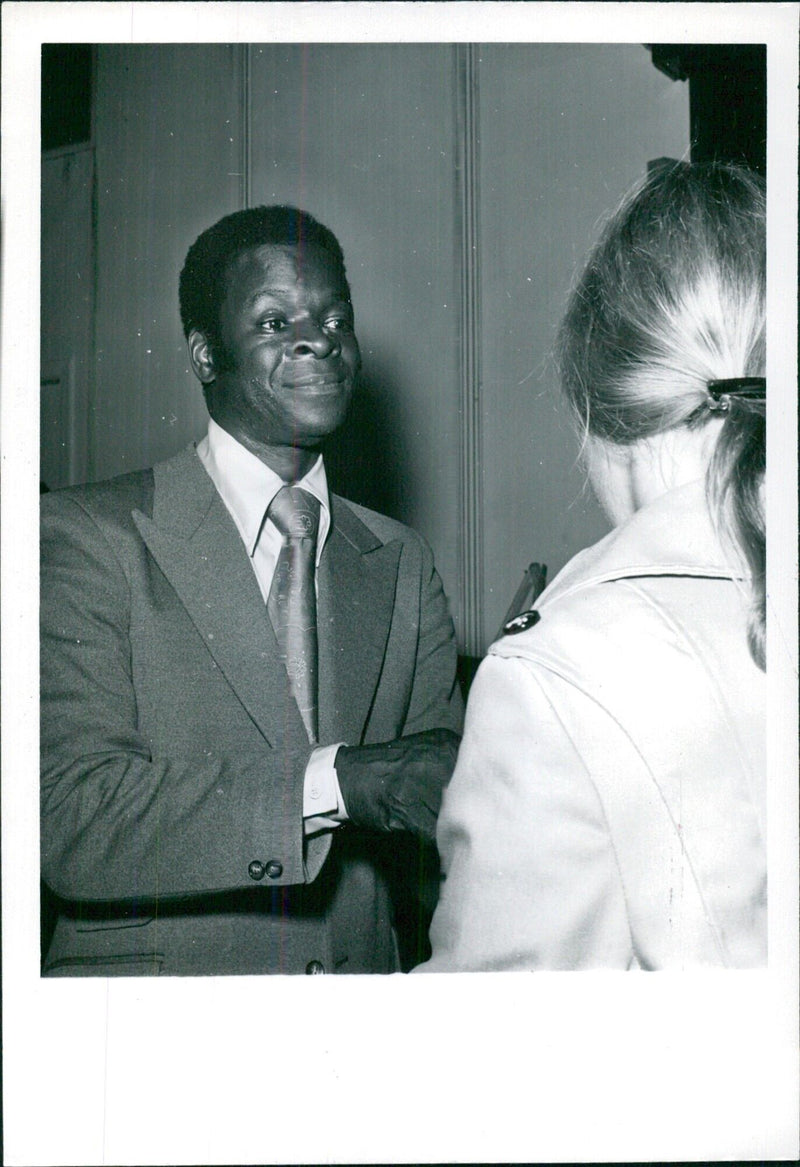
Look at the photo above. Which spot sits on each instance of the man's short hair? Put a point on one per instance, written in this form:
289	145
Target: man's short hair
202	283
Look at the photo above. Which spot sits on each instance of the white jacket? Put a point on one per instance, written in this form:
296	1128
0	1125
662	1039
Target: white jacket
608	805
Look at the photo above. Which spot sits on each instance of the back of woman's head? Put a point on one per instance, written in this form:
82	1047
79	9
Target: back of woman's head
672	299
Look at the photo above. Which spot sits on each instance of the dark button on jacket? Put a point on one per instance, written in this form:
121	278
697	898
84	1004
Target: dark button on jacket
314	968
255	870
274	869
522	622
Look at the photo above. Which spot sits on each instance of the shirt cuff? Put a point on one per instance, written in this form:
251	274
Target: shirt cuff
323	805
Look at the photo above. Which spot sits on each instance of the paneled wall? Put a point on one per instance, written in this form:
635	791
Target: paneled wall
566	130
463	181
169	145
66	312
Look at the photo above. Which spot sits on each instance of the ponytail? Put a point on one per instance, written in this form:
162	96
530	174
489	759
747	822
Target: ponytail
735	481
673	298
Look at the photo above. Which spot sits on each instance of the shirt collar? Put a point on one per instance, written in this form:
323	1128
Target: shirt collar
673	535
247	485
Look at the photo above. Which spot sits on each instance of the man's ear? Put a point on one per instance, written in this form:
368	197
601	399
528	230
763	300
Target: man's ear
201	356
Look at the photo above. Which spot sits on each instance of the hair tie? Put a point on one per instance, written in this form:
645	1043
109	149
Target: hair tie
745	388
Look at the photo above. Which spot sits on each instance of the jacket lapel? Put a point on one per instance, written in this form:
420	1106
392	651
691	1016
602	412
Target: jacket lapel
197	546
357	582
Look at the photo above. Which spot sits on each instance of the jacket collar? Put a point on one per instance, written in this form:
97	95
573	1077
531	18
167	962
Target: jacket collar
673	535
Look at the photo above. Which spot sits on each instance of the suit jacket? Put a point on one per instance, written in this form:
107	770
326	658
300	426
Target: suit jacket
608	805
173	754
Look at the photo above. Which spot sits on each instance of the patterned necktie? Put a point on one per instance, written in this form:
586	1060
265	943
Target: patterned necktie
292	603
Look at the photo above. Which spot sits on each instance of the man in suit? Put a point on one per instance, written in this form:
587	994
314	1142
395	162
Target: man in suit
246	690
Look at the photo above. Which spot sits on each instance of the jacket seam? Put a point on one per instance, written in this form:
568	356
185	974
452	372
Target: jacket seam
591	697
601	803
683	632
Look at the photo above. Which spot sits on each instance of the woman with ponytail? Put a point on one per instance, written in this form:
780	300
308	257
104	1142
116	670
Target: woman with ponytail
608	805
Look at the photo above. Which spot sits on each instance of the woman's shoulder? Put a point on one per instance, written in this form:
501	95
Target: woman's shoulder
612	634
664	568
567	624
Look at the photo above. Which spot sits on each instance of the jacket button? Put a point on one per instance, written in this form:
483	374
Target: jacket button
255	870
314	968
274	869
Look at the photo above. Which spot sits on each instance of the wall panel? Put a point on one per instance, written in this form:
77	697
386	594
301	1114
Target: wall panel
169	148
66	314
565	130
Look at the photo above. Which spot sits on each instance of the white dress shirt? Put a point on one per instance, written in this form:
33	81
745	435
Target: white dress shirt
247	486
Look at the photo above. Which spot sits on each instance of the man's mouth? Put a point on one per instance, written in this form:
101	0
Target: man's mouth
315	381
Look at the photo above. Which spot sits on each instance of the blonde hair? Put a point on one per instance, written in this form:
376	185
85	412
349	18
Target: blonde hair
673	297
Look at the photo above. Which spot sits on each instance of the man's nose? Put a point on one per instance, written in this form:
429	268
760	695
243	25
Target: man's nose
309	340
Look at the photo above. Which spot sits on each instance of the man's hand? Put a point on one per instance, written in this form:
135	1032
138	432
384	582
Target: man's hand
397	786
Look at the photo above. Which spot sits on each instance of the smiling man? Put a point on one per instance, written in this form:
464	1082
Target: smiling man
248	683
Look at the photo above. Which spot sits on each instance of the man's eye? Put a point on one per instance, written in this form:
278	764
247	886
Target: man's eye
272	324
338	324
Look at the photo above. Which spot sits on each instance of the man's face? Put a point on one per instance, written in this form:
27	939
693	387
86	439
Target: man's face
287	354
